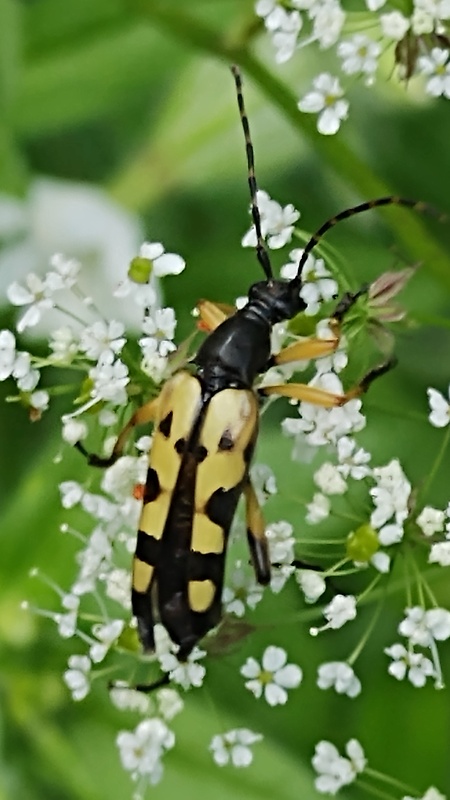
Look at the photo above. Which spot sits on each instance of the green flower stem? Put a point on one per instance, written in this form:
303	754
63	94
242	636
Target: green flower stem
435	468
380	776
367	633
408	229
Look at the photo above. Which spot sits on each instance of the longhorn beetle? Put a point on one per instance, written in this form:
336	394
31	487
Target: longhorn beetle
205	428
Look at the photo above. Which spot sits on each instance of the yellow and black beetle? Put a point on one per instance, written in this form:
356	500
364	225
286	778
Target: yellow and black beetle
205	428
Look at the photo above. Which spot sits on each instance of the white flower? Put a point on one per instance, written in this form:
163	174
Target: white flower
391	495
437	67
40	400
431	520
110	379
277	223
421	22
422	627
408	663
234	747
126	698
328	21
285	38
273	678
381	562
141	750
318	509
118	586
67	217
264	8
120	479
440	554
440	409
63	344
26	377
352	461
106	634
430	794
71	493
281	542
359	54
326	100
77	676
390	534
92	561
340	676
36	295
187	673
340	610
7	354
163	263
394	25
329	479
327	425
241	590
161	323
169	703
317	284
311	583
64	273
101	338
335	771
74	431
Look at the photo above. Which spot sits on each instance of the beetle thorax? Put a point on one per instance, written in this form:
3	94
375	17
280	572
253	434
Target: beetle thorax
238	350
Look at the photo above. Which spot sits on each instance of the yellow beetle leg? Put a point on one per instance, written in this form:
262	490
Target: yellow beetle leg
257	542
145	414
212	314
316	348
320	397
306	349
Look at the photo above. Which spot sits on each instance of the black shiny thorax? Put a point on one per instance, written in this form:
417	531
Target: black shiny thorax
238	350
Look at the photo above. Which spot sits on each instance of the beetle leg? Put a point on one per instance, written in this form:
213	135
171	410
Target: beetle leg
257	542
321	397
143	415
316	348
306	349
212	314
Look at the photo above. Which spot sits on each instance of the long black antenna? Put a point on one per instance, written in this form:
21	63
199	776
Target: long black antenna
261	250
416	205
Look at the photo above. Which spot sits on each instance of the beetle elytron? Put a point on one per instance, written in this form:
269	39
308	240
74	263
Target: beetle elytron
205	428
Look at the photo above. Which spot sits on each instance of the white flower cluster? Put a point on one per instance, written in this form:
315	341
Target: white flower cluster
98	349
417	41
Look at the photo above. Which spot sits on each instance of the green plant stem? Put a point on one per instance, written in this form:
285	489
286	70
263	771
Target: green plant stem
435	468
342	159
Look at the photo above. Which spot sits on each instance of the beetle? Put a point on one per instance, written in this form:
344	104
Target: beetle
205	428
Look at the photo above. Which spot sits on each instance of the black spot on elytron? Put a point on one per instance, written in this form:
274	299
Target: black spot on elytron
205	567
221	506
165	425
180	446
226	441
147	548
200	453
152	486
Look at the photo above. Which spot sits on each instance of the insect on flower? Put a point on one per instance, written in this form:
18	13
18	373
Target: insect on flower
205	428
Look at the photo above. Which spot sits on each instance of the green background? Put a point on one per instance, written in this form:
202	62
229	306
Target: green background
136	97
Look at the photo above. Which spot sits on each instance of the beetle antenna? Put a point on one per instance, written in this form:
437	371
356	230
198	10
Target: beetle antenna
416	205
261	250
